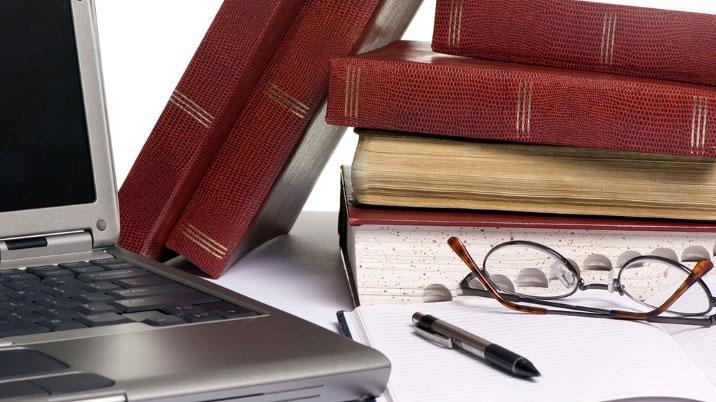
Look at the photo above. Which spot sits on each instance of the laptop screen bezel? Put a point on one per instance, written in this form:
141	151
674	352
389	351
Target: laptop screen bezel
101	217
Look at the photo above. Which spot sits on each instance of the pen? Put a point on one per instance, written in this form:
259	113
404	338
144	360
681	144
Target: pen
449	336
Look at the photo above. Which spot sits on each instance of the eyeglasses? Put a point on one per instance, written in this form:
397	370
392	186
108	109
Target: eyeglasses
522	272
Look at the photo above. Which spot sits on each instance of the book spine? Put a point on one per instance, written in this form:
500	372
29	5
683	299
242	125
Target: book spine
233	193
538	106
581	35
215	87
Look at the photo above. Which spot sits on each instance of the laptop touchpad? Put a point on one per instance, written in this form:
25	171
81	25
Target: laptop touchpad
23	362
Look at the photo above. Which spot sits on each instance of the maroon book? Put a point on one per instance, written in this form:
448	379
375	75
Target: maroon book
214	89
392	255
407	87
260	178
581	35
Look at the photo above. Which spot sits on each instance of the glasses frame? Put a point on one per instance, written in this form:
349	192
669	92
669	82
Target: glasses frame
511	299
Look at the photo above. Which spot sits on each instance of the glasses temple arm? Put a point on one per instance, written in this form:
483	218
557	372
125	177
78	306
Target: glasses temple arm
459	248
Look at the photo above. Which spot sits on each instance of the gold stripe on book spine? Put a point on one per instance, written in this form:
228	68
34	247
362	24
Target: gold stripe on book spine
609	32
455	22
352	96
204	241
699	122
186	105
287	101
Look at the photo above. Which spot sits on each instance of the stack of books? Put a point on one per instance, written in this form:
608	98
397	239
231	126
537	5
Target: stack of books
583	126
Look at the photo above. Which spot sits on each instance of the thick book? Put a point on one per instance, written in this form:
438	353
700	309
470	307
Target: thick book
215	87
392	255
257	184
581	35
581	359
415	171
408	87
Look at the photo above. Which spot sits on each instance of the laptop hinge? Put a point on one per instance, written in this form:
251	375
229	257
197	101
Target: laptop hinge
32	250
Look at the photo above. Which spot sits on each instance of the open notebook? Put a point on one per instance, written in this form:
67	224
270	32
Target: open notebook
581	359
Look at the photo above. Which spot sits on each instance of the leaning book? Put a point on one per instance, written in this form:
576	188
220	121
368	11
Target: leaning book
392	254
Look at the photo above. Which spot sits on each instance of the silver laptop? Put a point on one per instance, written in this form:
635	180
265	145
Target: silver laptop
81	319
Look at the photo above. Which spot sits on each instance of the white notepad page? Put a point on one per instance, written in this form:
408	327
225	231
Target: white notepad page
581	359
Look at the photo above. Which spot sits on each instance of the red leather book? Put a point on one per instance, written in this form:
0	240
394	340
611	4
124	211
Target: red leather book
214	89
581	35
408	87
393	254
267	166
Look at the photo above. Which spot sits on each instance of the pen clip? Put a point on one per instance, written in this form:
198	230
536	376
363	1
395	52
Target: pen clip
435	337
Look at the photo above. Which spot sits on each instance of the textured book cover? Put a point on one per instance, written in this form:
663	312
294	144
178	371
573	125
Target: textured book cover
581	35
214	89
393	254
407	87
266	168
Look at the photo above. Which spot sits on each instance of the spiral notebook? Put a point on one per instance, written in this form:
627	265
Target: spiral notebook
581	359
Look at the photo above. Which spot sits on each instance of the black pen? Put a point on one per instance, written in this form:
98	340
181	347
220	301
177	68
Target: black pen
450	336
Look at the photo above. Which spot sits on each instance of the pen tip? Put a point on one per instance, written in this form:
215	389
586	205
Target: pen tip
524	368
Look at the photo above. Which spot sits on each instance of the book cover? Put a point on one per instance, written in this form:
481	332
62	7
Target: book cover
393	254
250	192
407	87
581	35
214	89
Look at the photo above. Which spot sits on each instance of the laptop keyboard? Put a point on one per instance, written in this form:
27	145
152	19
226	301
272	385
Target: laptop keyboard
99	293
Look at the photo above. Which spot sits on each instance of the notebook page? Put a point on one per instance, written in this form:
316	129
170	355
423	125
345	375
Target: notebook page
698	343
581	359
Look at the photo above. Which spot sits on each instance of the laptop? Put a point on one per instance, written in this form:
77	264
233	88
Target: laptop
83	320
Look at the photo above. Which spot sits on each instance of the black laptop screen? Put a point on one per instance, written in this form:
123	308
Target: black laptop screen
45	158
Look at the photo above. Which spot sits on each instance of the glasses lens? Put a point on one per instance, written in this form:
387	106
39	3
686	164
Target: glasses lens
530	270
652	282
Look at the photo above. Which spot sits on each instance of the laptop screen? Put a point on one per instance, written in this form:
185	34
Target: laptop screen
45	158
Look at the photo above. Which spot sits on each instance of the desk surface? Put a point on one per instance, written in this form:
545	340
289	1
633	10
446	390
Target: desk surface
300	273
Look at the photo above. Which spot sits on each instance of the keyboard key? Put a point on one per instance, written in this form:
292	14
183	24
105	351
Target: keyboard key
99	287
71	383
143	315
63	325
155	302
114	260
64	291
97	320
93	297
164	321
12	305
72	265
19	328
202	316
148	291
21	390
227	310
67	314
11	271
25	295
57	273
21	276
20	285
142	281
42	268
119	265
64	280
86	269
96	308
112	275
179	309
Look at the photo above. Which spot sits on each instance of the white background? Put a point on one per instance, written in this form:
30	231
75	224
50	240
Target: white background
147	44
